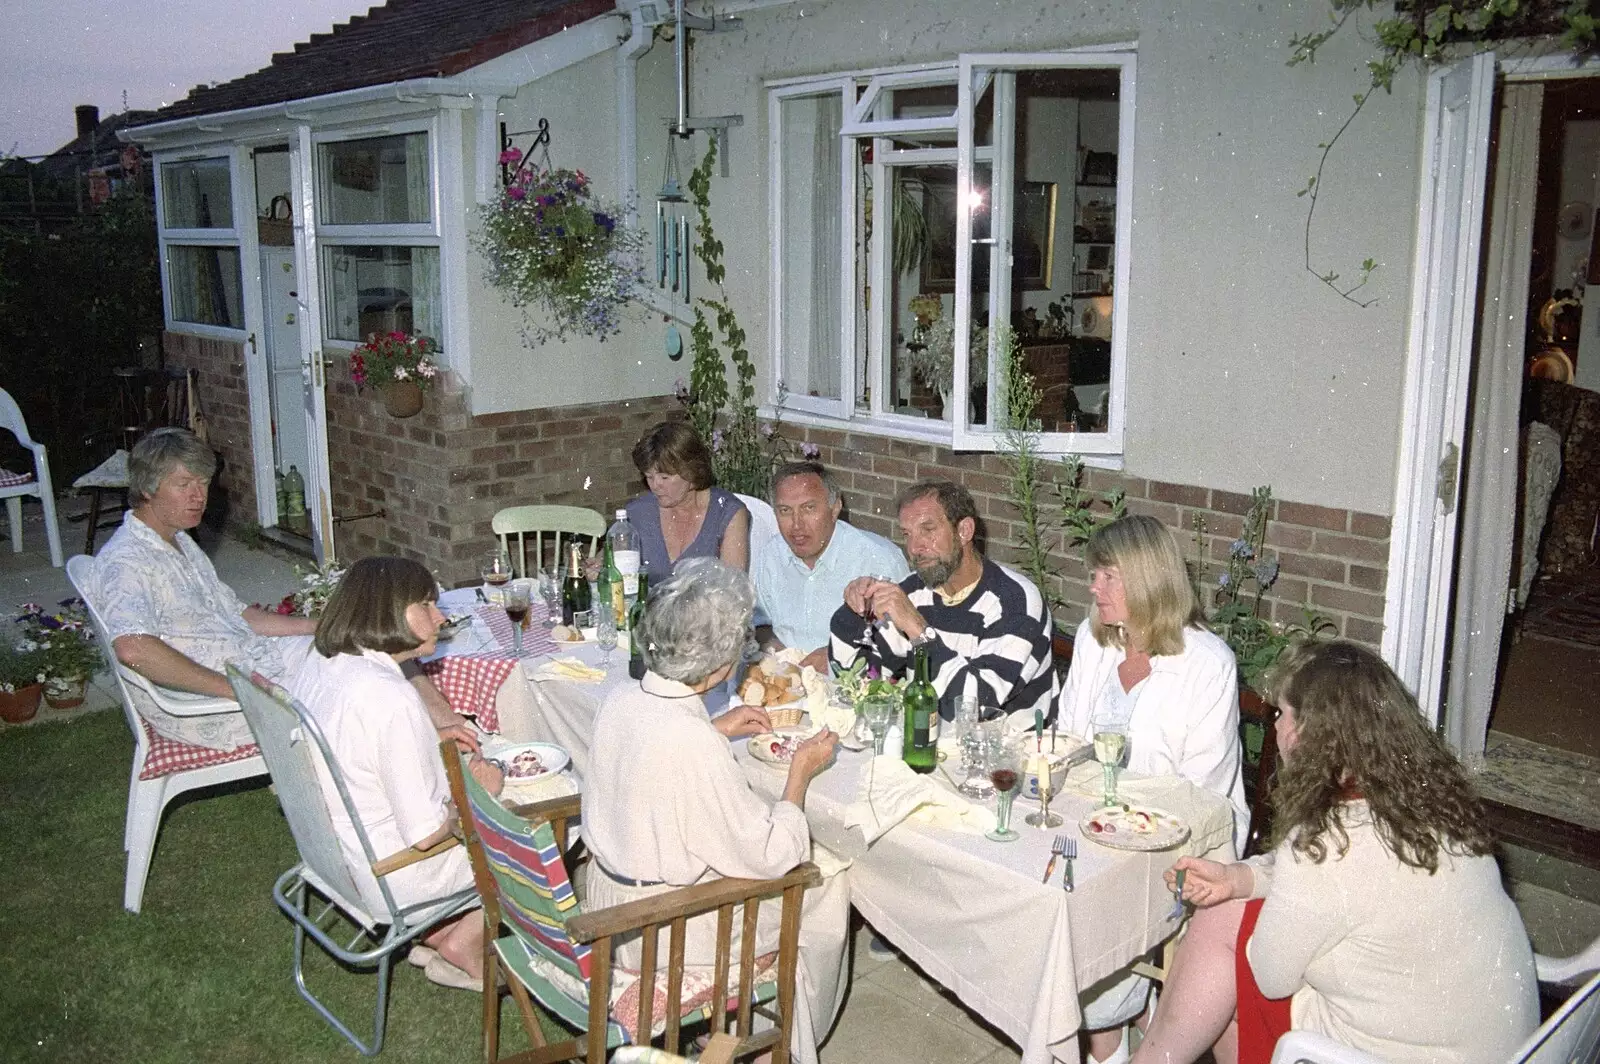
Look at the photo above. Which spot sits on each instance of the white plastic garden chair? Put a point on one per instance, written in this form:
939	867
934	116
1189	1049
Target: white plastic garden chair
763	527
15	486
1572	1033
162	768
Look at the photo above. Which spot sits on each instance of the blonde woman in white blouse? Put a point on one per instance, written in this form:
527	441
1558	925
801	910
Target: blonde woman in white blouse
1144	659
666	805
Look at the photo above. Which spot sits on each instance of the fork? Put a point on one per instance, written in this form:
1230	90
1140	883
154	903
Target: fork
1057	849
1069	851
1177	893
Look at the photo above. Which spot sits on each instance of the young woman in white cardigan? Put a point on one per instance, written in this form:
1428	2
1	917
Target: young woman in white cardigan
1144	659
1384	923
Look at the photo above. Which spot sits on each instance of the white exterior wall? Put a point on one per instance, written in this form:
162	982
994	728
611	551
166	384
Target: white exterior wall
508	373
1243	369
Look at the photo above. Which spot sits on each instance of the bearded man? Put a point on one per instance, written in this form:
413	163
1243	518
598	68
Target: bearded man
987	628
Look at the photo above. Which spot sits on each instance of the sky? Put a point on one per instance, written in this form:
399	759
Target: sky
55	54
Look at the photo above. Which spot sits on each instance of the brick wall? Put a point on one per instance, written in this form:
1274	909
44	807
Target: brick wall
224	398
1334	559
437	478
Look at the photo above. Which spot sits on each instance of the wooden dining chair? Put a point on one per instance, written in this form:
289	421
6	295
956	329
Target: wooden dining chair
516	524
558	954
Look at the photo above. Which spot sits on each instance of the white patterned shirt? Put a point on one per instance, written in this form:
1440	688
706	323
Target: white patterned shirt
146	586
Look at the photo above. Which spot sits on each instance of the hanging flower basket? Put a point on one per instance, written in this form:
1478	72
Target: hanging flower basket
20	705
402	398
551	246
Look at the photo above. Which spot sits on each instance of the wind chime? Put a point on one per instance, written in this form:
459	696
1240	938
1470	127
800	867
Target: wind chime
672	238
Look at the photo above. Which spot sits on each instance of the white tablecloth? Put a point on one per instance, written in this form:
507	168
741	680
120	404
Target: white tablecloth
973	913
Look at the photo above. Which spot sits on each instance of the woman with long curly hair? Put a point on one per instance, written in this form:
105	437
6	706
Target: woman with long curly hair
1378	919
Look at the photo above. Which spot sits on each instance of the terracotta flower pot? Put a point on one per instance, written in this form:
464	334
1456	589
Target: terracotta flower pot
67	693
21	705
402	398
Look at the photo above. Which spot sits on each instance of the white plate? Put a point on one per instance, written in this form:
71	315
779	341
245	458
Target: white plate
1133	827
552	756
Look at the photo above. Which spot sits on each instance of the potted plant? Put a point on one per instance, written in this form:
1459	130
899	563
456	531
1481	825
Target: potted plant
931	350
22	679
551	244
400	365
67	649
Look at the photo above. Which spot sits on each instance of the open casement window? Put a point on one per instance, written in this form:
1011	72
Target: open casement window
378	235
934	200
200	257
1051	257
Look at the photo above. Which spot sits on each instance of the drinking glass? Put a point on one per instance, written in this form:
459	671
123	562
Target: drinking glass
1005	774
977	739
879	714
495	567
550	591
1111	750
605	633
516	605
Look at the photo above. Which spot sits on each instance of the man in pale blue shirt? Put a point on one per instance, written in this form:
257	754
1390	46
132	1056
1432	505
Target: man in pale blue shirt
800	588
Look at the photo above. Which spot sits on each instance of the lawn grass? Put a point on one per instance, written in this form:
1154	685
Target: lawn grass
203	972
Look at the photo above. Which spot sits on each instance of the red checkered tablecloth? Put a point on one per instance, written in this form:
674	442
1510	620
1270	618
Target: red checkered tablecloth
8	479
469	682
536	639
167	756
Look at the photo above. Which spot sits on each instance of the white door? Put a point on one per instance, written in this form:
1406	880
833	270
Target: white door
1422	548
281	304
319	499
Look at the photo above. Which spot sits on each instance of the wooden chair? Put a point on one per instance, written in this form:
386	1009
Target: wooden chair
541	521
14	486
162	768
296	753
560	955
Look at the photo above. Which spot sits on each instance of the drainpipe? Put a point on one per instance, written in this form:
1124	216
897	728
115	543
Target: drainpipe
628	53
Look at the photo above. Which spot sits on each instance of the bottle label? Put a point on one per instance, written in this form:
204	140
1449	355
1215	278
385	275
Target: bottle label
628	563
933	726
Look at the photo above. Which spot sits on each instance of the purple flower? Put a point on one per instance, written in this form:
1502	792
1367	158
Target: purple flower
510	157
1239	549
810	450
681	390
872	672
716	441
1222	579
1266	573
516	192
769	431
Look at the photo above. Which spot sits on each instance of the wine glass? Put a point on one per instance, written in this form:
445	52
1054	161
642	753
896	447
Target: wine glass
550	591
605	633
1110	749
1007	779
495	567
878	712
516	606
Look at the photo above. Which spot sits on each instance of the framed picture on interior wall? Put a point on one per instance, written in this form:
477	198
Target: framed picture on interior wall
1033	246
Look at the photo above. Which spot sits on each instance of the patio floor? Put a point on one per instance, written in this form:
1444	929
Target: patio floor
892	1014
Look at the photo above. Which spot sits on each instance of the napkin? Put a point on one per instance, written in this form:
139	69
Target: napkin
568	668
816	686
891	792
842	719
538	789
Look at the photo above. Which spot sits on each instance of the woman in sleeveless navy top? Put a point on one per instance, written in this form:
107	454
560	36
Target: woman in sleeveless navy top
683	515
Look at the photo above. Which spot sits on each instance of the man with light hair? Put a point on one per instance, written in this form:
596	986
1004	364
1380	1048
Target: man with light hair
798	589
986	626
172	620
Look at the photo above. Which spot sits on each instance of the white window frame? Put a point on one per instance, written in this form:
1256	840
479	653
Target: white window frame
387	234
973	74
216	237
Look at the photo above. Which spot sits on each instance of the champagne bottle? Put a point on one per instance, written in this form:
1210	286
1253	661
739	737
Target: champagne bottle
574	590
636	665
920	748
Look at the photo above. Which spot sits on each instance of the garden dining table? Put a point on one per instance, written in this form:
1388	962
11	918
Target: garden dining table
973	914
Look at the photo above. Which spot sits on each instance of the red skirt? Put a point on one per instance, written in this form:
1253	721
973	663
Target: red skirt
1262	1020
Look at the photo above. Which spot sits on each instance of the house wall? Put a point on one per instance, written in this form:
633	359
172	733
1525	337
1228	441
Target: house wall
437	478
1332	559
1243	369
508	371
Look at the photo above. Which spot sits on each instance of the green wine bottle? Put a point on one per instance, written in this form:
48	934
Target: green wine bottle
636	665
921	747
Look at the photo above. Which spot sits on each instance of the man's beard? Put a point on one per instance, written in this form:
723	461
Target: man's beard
938	572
